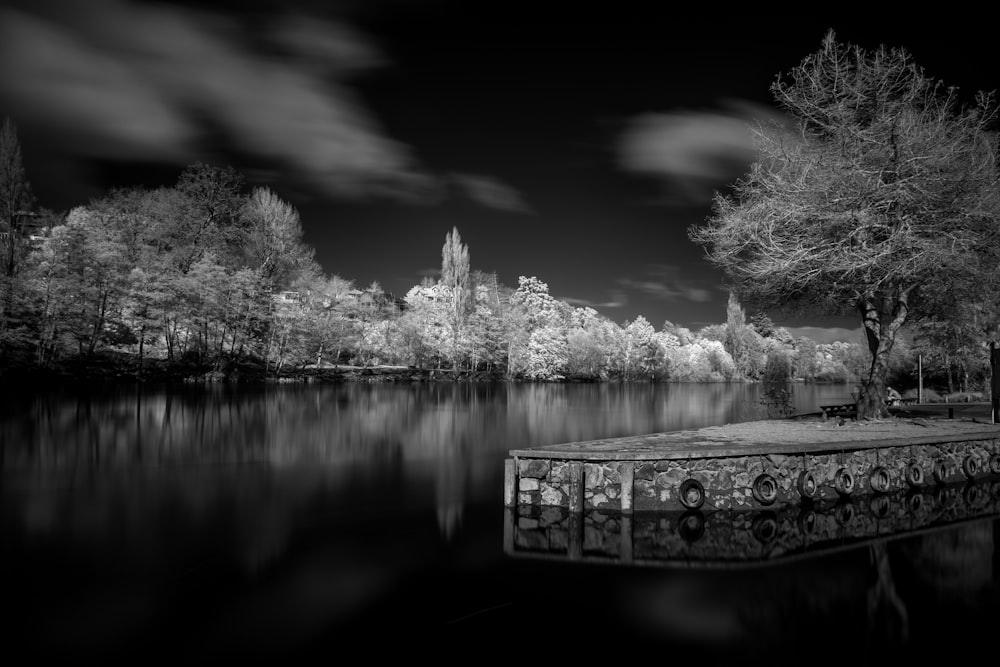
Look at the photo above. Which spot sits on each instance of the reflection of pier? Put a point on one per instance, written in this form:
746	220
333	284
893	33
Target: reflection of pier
738	538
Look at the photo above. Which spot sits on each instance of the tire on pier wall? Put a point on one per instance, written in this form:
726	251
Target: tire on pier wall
843	482
692	494
880	480
765	489
940	472
970	466
914	474
806	485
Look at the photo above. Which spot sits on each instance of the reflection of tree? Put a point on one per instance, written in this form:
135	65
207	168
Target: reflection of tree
954	564
449	516
356	422
888	618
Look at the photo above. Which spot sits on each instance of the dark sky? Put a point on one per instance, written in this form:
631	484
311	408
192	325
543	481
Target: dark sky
576	145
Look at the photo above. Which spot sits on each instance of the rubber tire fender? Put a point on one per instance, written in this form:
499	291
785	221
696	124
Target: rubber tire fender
970	466
880	480
914	474
692	493
765	489
806	484
843	481
940	472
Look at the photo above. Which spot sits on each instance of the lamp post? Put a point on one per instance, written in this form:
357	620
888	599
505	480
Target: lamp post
920	378
994	382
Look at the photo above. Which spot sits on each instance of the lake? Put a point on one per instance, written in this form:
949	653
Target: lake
326	521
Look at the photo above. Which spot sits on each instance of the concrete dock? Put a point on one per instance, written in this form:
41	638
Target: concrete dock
755	464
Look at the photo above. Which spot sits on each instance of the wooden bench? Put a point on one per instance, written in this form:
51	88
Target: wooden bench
850	409
840	410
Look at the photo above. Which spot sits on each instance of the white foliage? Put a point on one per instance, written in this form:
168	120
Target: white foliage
547	354
540	308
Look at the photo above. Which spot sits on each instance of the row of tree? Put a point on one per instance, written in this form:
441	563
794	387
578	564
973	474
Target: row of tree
208	271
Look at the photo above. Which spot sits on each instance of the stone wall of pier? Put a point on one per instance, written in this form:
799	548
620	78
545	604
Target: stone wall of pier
744	482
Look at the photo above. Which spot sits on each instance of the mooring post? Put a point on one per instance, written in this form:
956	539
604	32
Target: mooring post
575	486
509	483
627	471
994	381
508	530
575	546
626	546
920	378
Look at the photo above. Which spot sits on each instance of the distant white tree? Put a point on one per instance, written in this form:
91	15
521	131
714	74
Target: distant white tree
668	344
540	308
701	361
274	244
427	322
548	352
641	354
532	308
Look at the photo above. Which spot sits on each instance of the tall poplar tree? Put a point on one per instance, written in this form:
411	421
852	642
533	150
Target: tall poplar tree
455	276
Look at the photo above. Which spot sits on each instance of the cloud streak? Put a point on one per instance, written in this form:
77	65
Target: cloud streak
617	299
490	192
664	282
127	81
695	153
828	334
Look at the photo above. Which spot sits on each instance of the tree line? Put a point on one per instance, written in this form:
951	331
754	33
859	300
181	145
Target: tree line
210	272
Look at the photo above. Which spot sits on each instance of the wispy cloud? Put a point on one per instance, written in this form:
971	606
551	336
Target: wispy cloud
828	334
616	299
695	152
491	192
664	281
153	82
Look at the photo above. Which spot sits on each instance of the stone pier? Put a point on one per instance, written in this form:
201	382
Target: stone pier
753	465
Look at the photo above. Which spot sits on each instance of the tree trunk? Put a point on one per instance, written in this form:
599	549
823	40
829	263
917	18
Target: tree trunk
881	325
98	324
142	340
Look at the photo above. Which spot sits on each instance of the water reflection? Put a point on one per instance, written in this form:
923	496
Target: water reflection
737	538
796	579
236	521
449	437
344	423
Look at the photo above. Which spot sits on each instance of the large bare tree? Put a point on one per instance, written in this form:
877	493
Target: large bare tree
880	197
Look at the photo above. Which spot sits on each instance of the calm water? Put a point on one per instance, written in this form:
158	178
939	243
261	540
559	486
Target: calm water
321	521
